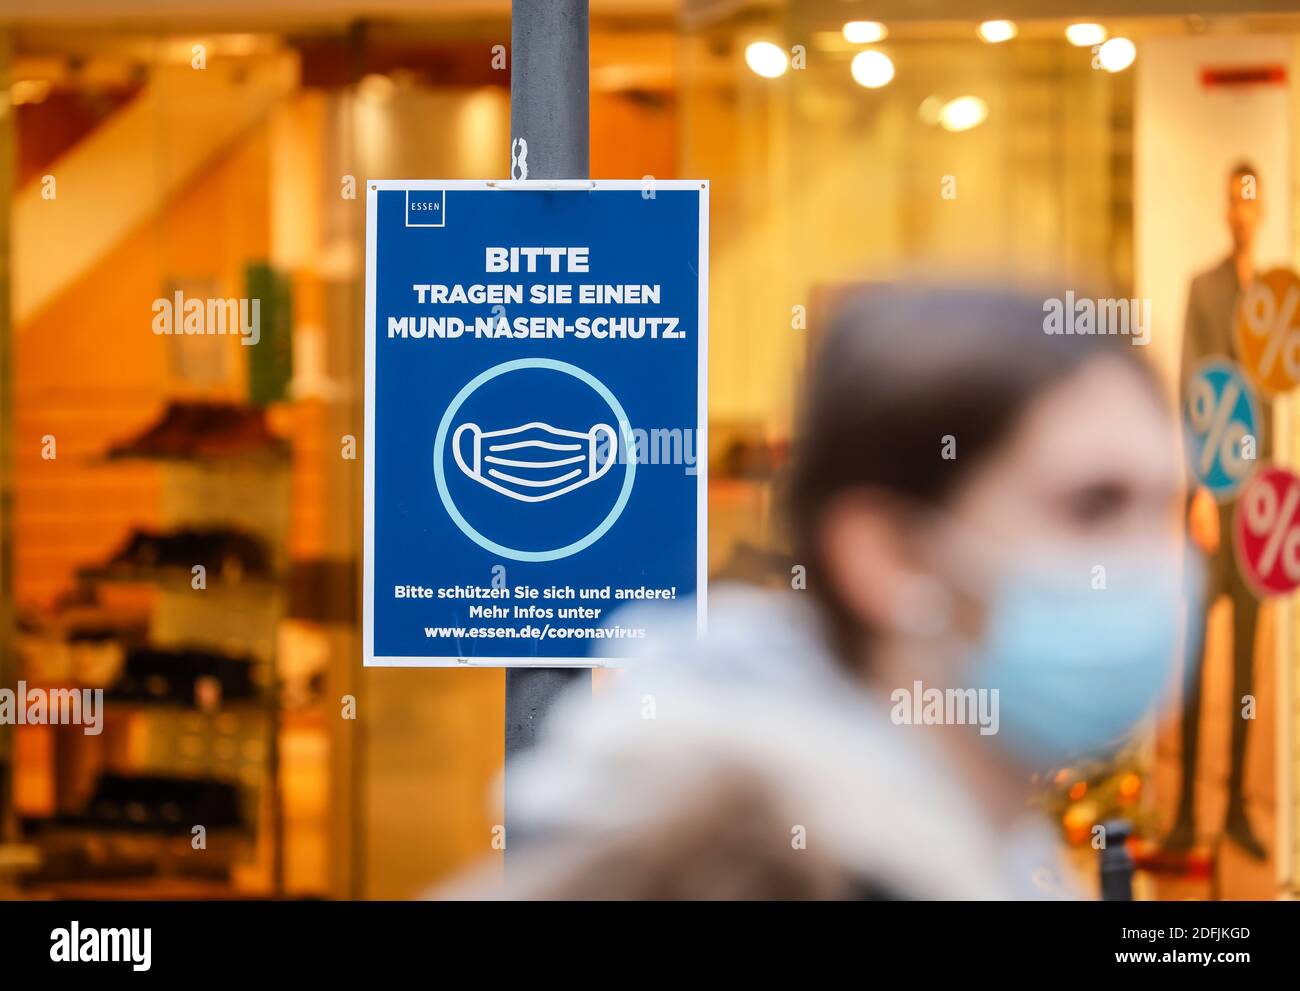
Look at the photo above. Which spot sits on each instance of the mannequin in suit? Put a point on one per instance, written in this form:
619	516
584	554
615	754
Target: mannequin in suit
1208	331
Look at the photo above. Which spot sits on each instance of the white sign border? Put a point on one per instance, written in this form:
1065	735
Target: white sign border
373	187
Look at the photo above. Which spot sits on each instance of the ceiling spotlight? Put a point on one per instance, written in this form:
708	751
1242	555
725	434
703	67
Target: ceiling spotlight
872	69
930	109
766	59
1085	35
963	113
864	32
997	31
1117	54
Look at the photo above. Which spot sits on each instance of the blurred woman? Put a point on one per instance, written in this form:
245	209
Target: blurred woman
985	517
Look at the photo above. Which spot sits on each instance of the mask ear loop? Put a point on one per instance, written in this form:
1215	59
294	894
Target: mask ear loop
476	471
595	470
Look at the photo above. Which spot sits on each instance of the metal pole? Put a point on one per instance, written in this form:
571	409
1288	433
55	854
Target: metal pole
549	137
549	89
1117	863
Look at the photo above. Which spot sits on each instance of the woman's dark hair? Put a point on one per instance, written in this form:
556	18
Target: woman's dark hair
902	369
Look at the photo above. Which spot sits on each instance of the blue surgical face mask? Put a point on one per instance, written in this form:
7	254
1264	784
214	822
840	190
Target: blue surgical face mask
1079	647
535	462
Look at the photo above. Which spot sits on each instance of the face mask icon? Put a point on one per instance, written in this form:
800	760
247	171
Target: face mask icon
534	462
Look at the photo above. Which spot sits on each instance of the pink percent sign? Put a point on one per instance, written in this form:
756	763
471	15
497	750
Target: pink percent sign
1266	531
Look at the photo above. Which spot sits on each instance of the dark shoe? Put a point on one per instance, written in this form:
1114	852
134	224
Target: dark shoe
143	549
229	554
163	438
159	804
225	554
188	430
235	432
183	677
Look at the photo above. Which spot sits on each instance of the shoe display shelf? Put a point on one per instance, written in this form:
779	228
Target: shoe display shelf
226	506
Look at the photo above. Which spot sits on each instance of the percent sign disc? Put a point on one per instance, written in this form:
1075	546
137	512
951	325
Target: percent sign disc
1222	420
1267	329
1266	532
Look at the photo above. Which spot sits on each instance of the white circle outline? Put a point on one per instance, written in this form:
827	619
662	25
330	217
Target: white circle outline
440	443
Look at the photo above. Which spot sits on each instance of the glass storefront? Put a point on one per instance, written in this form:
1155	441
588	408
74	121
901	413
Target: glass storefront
145	168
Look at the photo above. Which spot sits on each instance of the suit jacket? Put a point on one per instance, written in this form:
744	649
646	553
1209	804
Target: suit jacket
1208	332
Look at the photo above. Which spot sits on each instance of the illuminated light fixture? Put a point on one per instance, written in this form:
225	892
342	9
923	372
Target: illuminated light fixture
998	31
872	69
376	88
963	113
1085	35
766	59
930	109
1117	54
864	32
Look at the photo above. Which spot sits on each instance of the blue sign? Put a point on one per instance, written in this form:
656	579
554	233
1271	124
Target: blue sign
1222	424
535	417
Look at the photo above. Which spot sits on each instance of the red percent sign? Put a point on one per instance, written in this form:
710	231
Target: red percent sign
1266	531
